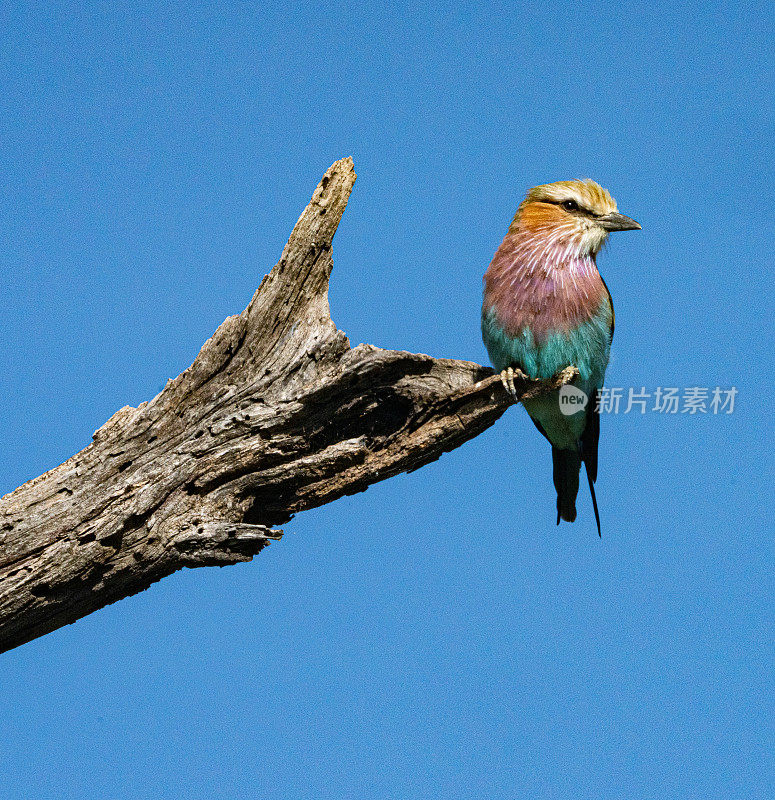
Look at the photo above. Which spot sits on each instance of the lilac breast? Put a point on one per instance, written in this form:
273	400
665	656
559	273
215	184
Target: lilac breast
543	286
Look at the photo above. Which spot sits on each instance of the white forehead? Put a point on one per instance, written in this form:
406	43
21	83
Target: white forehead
586	193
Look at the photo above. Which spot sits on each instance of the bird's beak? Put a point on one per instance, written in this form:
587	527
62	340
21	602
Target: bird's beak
617	222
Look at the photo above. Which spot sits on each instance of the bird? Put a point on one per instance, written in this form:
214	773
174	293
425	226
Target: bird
546	307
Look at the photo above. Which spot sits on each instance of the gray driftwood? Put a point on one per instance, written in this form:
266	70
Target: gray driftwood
276	415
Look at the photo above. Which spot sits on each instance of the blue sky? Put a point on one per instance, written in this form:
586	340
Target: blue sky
436	636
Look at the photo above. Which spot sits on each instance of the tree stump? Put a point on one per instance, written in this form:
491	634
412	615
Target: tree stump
276	415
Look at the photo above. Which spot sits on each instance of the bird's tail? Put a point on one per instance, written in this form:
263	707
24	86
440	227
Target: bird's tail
567	465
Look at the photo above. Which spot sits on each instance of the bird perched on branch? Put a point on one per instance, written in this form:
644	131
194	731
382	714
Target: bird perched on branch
545	308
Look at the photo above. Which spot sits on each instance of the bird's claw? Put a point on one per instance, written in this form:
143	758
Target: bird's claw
507	379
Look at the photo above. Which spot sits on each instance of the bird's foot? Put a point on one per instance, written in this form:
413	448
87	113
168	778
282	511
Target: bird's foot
507	379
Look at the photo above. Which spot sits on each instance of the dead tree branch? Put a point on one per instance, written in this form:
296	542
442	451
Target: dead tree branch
276	415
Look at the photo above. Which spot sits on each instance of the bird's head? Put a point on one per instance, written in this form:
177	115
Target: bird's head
576	216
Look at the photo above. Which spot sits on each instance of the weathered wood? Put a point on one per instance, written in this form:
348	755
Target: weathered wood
276	415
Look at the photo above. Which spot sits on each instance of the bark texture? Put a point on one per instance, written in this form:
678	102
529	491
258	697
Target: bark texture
276	415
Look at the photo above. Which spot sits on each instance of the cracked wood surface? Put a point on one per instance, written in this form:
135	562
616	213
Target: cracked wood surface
276	415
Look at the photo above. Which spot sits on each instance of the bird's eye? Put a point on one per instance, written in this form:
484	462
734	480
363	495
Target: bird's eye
570	205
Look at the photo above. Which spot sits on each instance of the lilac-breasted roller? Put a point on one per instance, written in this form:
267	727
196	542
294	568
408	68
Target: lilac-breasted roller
546	307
